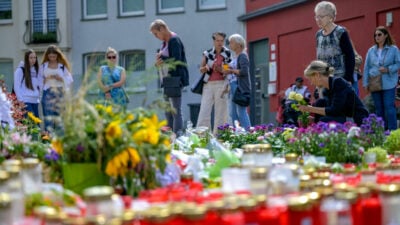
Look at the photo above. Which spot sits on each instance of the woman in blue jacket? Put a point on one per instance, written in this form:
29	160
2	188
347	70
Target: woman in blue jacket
383	59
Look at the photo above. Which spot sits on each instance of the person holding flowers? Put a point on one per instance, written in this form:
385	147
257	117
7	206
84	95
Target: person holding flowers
343	101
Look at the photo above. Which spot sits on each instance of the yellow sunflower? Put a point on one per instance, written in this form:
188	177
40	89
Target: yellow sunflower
57	146
34	118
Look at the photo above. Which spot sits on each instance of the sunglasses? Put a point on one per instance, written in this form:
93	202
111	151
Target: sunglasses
378	34
111	57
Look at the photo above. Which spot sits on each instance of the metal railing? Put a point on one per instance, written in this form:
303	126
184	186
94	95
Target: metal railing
42	31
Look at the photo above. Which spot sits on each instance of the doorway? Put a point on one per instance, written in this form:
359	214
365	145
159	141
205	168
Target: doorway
259	70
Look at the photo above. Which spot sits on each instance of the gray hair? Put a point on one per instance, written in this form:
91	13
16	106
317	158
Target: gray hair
238	39
320	67
329	7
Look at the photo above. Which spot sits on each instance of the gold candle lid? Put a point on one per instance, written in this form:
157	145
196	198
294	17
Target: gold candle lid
30	162
98	193
299	203
249	148
262	148
194	213
291	157
389	188
350	196
259	173
4	176
5	200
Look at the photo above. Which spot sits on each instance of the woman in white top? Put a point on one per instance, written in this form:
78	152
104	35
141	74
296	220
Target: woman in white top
56	80
27	84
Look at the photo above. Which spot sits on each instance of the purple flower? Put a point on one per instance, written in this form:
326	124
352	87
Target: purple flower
52	156
80	148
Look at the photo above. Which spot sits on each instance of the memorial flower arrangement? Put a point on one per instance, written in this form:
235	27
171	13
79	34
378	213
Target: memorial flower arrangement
127	145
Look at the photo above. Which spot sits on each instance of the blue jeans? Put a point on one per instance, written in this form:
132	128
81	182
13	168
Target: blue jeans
385	107
175	119
52	100
32	107
238	112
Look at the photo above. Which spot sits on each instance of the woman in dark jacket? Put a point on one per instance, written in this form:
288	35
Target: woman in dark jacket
343	101
171	51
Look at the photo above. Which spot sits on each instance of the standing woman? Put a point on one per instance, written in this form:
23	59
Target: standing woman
111	78
242	74
383	59
57	79
27	85
172	49
333	42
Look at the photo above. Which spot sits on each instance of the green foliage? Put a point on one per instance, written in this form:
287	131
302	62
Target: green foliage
392	143
381	154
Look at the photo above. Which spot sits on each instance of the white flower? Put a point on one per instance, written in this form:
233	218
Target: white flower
354	132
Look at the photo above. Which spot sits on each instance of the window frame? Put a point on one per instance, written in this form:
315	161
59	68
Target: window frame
92	17
10	63
130	88
171	10
207	8
8	21
131	13
85	64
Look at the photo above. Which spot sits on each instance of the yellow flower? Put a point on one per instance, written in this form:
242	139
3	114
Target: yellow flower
119	165
57	146
113	131
168	158
130	117
34	118
298	97
291	95
109	110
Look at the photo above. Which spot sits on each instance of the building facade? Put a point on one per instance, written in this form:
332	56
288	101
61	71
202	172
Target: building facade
281	37
84	29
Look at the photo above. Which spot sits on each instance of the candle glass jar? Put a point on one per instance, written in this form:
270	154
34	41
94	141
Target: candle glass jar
5	209
390	199
99	201
31	175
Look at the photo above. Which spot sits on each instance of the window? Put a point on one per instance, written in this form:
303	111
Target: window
211	4
5	11
94	9
131	7
92	62
7	73
170	6
134	62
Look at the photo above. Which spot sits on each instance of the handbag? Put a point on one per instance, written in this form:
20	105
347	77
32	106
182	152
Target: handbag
375	83
241	98
172	86
197	87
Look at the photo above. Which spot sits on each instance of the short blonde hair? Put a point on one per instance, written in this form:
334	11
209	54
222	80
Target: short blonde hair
158	24
320	67
238	39
111	50
329	7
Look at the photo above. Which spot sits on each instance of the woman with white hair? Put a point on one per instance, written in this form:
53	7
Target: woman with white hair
333	42
239	77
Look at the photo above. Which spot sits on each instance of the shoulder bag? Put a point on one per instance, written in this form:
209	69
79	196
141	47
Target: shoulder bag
197	87
241	98
375	83
172	86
